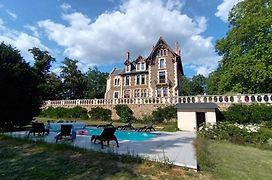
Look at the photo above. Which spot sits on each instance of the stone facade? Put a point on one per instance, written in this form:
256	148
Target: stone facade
158	75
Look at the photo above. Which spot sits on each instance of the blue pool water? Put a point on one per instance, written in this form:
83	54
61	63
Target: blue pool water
125	135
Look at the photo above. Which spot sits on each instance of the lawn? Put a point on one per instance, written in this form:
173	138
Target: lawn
23	159
230	161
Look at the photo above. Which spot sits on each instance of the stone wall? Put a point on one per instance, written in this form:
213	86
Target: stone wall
139	110
145	106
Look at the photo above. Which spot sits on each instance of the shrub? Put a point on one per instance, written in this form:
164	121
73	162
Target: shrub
236	133
99	113
164	114
124	112
246	114
78	112
61	112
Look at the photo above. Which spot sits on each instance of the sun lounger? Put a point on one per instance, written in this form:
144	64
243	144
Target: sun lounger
38	128
147	127
106	125
106	135
126	127
66	132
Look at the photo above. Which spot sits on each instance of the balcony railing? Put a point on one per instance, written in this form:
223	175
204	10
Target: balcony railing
218	99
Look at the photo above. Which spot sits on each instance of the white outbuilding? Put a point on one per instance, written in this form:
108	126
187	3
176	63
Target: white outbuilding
192	115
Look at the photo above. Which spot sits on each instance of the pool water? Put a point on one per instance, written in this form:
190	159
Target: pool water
125	135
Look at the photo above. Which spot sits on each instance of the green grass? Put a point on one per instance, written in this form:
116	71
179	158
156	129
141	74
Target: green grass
229	161
24	159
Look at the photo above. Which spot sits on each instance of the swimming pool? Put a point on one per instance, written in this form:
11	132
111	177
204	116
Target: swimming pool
125	135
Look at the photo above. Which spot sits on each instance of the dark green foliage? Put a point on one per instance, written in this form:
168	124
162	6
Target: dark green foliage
96	84
99	113
245	114
164	114
124	112
246	65
74	82
19	93
47	80
193	86
60	112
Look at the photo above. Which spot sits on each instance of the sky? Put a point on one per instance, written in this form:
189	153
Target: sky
100	32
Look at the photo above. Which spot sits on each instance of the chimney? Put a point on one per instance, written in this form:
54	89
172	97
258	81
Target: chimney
177	48
128	56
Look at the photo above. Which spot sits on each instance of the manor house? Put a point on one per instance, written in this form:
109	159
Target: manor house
158	75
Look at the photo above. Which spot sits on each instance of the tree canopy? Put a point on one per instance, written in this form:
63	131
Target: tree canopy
19	92
96	83
246	65
74	82
193	86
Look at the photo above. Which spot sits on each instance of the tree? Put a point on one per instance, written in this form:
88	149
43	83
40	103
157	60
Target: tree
193	86
198	85
96	83
19	92
42	67
74	82
184	88
246	66
54	86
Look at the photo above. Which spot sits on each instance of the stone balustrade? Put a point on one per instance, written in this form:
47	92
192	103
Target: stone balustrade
218	99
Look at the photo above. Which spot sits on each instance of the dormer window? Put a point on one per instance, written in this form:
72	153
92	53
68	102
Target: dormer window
143	66
138	66
127	68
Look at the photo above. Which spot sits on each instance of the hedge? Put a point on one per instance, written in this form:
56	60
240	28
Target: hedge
60	112
247	114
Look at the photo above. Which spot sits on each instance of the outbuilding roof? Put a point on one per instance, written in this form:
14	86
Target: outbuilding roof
196	106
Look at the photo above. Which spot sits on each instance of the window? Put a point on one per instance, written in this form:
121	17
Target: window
143	66
127	94
164	52
127	68
138	66
138	79
116	94
116	81
143	93
137	93
165	92
142	79
162	77
158	92
162	63
162	92
126	80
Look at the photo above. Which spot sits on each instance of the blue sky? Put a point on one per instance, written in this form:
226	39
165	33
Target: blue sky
100	32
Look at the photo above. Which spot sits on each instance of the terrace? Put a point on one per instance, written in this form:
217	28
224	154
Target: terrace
169	147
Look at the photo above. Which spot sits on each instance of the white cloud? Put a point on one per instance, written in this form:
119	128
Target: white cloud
33	29
224	8
12	15
65	6
134	27
20	40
